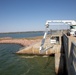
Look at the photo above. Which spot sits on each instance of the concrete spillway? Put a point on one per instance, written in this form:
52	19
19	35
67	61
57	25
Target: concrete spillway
34	49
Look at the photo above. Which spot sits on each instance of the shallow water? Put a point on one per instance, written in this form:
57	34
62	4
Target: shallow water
12	64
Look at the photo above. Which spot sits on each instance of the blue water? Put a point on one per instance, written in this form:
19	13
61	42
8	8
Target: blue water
13	64
22	35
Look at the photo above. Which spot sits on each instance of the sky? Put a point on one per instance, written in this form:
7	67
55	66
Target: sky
31	15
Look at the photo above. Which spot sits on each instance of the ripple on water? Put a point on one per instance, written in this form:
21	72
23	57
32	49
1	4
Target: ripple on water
12	64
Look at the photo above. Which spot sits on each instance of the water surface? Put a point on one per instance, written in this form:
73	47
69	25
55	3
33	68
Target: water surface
12	64
22	35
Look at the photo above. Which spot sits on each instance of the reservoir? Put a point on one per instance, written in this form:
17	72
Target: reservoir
13	64
22	34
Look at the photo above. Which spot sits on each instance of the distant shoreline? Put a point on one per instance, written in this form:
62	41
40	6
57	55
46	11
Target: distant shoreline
20	32
28	31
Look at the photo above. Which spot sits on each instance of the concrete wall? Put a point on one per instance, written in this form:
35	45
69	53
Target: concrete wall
70	53
72	59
